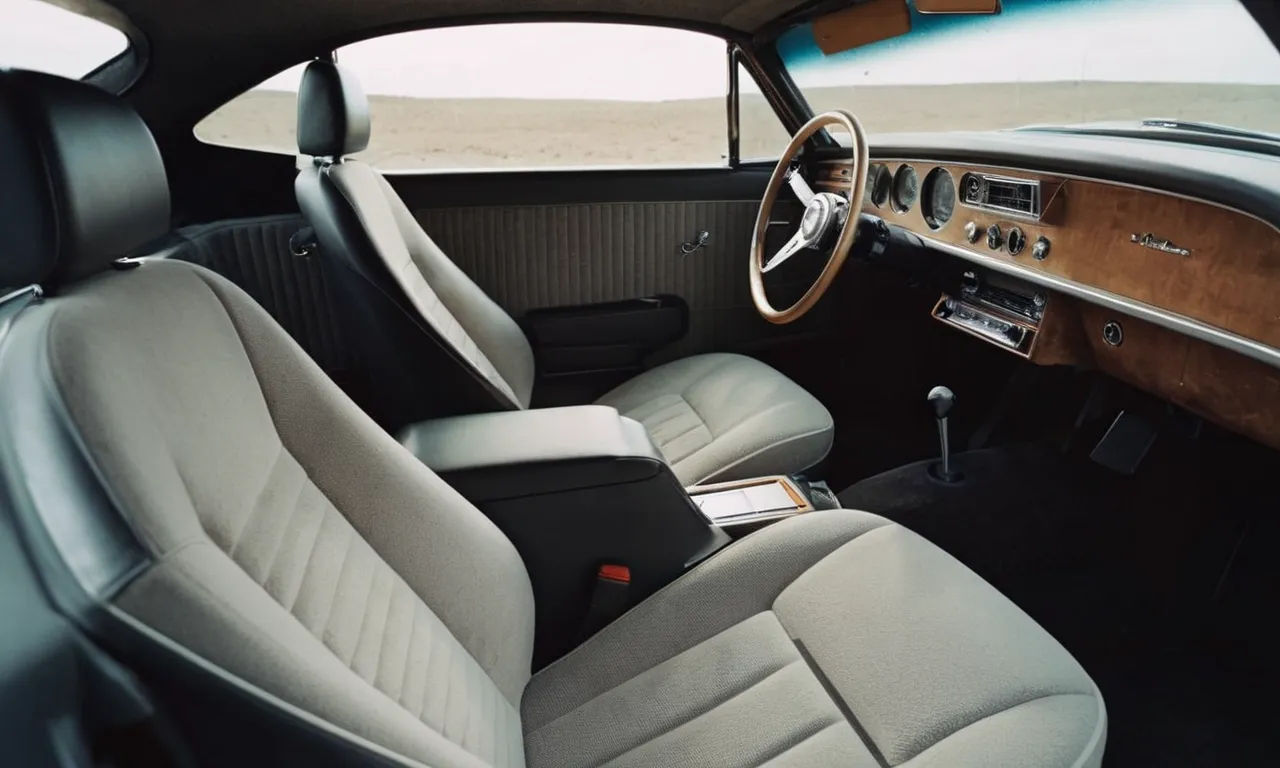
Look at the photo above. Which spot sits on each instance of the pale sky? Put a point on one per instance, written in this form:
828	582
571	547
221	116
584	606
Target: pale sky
1136	40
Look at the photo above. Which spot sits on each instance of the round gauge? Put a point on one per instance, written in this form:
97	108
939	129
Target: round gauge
939	198
880	182
906	187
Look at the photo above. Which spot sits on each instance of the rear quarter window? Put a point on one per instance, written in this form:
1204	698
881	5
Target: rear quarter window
43	37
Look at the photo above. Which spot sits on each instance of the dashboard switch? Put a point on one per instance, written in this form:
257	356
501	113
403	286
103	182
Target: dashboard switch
971	232
994	237
1040	251
1017	241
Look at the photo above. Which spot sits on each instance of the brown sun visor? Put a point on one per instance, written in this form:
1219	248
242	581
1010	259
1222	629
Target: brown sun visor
958	6
877	20
861	24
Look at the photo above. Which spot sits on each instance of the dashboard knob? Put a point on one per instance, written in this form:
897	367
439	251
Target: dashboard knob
1040	250
971	232
994	238
1113	333
1017	241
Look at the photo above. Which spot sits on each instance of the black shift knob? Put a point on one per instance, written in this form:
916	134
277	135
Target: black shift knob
941	399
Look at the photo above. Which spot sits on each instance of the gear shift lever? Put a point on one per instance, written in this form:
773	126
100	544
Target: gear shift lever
942	399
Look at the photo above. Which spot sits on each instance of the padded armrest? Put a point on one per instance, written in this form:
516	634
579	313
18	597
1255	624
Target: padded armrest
490	456
573	488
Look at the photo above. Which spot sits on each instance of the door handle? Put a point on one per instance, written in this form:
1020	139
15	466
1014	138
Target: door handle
691	246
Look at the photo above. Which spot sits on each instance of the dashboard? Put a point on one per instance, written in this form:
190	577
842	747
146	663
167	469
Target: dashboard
1175	294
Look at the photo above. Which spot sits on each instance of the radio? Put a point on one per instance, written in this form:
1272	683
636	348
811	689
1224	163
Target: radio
996	308
1015	197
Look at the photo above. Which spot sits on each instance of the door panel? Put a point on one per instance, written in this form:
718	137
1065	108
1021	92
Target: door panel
254	253
545	239
534	257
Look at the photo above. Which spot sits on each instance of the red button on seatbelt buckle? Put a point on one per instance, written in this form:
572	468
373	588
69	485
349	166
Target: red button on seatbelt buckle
618	573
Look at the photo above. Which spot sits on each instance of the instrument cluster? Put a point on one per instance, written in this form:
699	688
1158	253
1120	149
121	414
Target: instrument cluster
900	189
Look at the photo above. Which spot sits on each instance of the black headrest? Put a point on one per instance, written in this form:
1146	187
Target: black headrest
333	112
81	180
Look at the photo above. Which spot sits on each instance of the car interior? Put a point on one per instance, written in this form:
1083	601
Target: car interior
639	383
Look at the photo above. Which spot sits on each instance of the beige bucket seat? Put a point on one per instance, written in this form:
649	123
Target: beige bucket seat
241	505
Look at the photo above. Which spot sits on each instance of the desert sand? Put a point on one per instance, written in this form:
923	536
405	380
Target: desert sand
413	133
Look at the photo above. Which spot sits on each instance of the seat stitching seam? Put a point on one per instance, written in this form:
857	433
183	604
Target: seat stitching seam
311	553
688	408
284	530
693	717
689	431
257	504
749	685
840	703
1011	707
408	656
448	691
337	587
364	619
805	737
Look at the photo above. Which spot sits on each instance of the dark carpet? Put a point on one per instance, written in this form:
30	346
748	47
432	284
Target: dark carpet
1162	584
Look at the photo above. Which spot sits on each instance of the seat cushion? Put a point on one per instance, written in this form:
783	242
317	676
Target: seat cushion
834	638
726	417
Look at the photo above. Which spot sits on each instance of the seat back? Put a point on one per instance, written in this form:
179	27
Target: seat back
214	485
478	356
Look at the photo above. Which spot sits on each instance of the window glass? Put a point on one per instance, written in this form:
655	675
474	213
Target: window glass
42	37
761	135
528	95
1051	63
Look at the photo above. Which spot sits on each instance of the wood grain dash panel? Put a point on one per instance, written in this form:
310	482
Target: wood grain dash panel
1060	338
1232	390
1229	280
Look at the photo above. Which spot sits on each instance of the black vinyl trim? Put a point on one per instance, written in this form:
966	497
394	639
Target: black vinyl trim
580	185
57	495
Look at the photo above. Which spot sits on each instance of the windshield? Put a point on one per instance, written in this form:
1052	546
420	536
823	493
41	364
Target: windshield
1052	62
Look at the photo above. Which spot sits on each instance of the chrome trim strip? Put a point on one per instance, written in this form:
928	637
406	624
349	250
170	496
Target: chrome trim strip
1171	320
33	291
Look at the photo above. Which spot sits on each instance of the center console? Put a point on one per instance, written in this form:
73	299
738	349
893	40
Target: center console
573	489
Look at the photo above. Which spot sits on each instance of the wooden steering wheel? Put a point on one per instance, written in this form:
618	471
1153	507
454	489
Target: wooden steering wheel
822	213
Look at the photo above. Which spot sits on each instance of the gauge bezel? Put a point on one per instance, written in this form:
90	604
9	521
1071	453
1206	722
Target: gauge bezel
926	197
894	202
880	173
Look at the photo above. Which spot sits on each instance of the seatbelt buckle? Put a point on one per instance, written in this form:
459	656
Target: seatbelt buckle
609	599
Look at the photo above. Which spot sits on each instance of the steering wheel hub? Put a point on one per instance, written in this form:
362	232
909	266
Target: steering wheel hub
817	215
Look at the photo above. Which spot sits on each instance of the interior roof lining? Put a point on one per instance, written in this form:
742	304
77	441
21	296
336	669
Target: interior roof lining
252	40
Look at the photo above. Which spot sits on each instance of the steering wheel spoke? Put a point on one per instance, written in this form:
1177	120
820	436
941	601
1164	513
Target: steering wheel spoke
793	246
801	188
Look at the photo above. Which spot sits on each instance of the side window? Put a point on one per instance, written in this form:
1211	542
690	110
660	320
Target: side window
529	95
761	135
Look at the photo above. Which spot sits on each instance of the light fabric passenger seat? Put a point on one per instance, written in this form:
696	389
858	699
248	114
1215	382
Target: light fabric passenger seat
714	417
265	523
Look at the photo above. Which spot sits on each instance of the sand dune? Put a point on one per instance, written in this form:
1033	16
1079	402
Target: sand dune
490	133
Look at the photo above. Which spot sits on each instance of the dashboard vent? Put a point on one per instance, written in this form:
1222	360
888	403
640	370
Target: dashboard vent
1019	197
